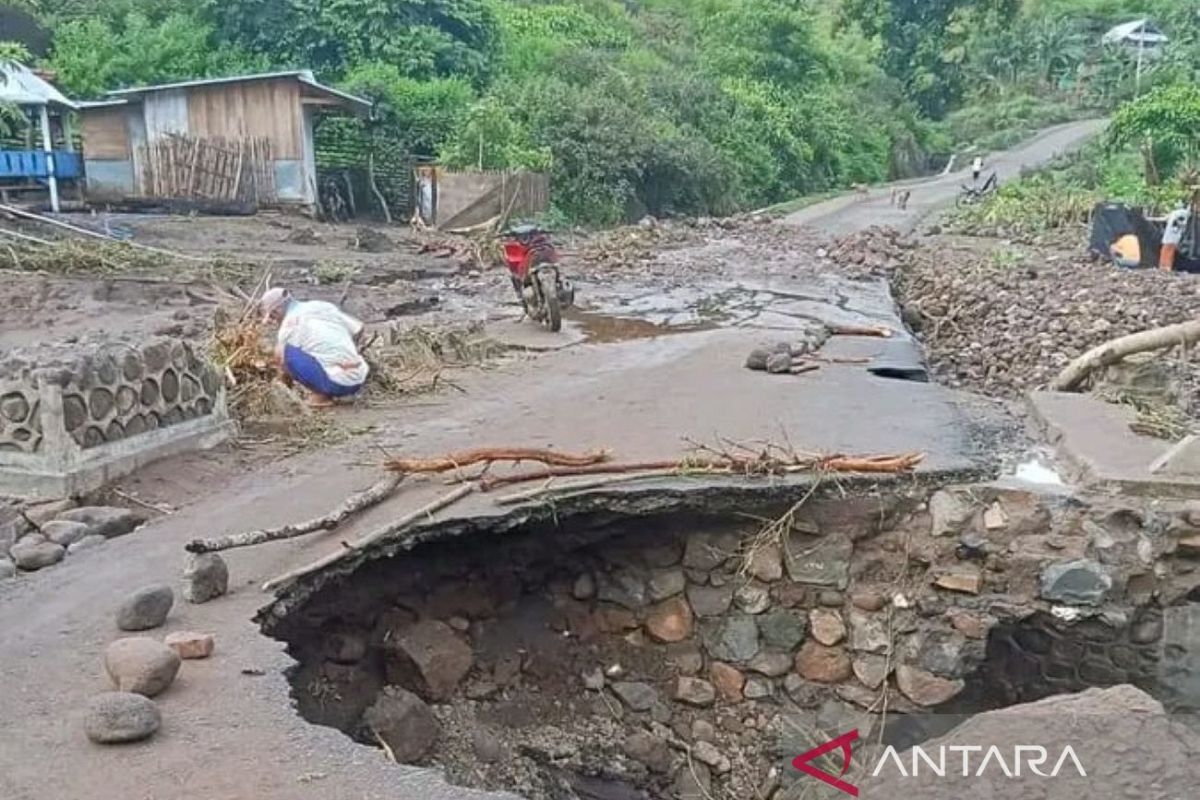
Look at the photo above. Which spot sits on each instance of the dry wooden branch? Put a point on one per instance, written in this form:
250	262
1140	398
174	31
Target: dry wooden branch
488	484
391	529
352	505
579	486
855	330
1075	373
489	455
901	463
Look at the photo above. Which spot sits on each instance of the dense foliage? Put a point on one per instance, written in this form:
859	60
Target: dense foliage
661	106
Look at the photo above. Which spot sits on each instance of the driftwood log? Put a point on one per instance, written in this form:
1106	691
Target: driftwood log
352	505
1109	353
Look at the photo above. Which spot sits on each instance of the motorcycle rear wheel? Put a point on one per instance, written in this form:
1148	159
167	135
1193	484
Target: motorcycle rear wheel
548	283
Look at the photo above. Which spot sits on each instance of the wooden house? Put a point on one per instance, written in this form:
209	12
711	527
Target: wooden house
242	138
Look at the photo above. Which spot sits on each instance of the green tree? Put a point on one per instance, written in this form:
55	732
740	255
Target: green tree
1165	125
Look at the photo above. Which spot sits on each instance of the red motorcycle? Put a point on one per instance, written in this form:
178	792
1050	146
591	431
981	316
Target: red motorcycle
532	262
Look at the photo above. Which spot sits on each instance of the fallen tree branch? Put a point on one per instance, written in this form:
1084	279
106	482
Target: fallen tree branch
488	484
352	505
579	486
856	330
1075	373
488	455
390	529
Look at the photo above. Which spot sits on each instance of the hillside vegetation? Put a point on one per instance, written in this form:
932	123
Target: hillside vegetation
652	106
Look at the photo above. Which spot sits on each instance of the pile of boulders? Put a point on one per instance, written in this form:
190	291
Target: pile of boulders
38	536
878	250
142	667
1007	321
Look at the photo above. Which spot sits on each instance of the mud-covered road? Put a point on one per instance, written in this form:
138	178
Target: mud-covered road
229	731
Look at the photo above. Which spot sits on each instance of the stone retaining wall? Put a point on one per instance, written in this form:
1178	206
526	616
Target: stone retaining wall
68	425
711	635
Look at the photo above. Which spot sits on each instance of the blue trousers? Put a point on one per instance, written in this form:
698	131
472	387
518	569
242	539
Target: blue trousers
309	373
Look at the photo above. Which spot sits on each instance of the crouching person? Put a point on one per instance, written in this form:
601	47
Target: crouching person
317	346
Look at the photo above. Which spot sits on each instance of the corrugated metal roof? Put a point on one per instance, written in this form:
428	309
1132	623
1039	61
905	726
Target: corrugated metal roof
304	76
19	85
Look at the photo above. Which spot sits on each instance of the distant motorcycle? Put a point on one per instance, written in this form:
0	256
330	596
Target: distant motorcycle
532	262
973	195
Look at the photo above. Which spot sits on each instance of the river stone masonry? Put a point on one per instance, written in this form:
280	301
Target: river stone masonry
71	421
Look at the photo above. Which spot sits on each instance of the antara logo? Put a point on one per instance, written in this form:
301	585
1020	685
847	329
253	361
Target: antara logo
943	762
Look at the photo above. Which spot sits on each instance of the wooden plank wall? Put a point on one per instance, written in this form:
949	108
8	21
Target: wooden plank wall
267	109
105	137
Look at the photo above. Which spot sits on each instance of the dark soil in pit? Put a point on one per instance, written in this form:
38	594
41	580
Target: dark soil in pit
591	655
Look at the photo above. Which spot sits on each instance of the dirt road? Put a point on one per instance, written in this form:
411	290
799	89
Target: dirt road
229	730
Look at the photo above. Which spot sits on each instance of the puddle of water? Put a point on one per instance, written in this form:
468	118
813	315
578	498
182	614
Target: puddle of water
603	328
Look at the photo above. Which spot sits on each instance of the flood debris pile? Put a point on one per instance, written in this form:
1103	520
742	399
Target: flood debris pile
876	251
660	654
1002	321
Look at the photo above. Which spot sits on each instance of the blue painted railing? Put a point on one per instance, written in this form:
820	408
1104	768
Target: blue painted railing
34	164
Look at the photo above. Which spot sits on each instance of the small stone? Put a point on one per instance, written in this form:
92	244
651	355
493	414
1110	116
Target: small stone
694	782
727	680
868	600
962	580
703	731
623	587
190	645
104	521
86	543
663	555
733	639
830	599
64	533
650	750
141	665
637	696
695	692
404	723
816	662
710	601
666	583
119	717
33	552
1146	630
7	569
1083	583
972	547
487	746
773	665
584	588
593	680
753	598
708	754
757	360
430	655
460	624
783	630
868	633
685	657
823	562
827	626
967	624
670	621
145	609
758	689
206	577
948	513
779	363
994	518
1189	545
871	670
766	563
707	551
924	688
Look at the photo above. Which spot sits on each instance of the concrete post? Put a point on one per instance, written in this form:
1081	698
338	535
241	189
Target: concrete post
48	146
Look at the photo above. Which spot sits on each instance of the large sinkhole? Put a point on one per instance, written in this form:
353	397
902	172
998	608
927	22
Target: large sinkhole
689	653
